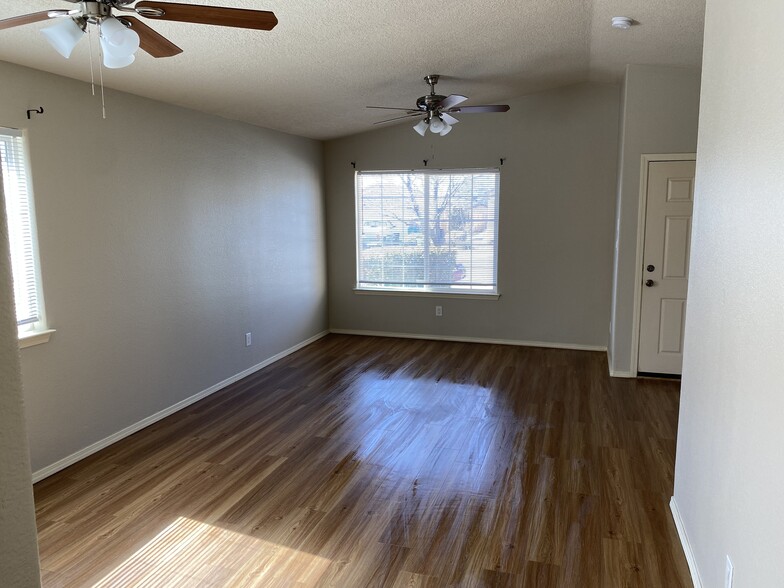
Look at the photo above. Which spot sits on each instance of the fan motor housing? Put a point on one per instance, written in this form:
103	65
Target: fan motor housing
429	102
95	11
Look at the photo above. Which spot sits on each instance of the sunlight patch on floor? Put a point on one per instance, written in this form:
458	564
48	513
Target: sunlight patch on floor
192	553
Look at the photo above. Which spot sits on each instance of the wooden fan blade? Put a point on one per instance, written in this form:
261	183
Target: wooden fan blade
486	108
452	100
449	119
16	21
412	115
394	108
262	20
151	41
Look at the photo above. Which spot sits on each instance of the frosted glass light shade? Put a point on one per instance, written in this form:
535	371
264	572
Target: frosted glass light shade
436	125
114	62
421	127
446	129
63	35
121	40
112	59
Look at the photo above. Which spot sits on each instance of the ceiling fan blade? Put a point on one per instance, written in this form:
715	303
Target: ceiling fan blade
485	108
452	100
394	108
151	41
16	21
262	20
449	119
412	115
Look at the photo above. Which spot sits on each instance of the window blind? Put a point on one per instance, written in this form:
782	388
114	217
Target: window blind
428	230
18	202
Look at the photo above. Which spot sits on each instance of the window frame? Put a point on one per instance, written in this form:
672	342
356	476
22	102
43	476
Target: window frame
31	332
427	290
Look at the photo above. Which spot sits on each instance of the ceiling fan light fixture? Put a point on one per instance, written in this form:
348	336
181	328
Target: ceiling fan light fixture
436	125
117	62
113	59
119	39
435	110
63	35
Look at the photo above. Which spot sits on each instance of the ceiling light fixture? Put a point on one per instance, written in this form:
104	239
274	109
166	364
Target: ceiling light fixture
63	35
118	42
121	29
121	36
114	59
622	22
436	110
435	124
421	127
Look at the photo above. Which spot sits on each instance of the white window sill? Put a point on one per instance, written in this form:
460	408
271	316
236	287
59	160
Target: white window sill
424	294
34	338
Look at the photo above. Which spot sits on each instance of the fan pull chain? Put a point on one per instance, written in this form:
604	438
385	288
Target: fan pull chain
103	100
100	69
92	72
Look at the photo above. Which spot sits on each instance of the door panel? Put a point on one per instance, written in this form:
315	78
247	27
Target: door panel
677	241
673	311
680	189
667	244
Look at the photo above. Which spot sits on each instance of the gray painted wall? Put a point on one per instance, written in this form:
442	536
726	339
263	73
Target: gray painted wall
165	235
556	219
18	542
730	464
660	111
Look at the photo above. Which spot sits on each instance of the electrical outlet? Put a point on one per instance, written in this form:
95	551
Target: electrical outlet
248	339
439	310
728	573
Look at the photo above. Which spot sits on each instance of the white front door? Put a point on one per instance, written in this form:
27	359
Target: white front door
667	243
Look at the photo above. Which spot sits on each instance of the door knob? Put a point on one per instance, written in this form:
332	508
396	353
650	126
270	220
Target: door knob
650	268
649	283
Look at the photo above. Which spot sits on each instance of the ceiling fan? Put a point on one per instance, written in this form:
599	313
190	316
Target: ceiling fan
122	33
438	110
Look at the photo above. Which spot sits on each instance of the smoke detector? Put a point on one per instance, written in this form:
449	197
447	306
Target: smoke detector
622	22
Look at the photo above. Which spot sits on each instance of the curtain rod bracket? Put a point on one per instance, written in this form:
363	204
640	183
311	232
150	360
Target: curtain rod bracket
39	110
354	164
503	159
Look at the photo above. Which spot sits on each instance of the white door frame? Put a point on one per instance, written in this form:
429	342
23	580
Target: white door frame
645	159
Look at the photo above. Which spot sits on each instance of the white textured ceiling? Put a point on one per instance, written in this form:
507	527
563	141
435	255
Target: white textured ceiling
325	61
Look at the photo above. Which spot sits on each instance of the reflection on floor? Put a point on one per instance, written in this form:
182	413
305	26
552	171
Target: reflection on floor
363	461
188	552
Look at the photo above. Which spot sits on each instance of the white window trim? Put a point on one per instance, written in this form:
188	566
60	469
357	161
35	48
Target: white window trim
428	294
31	338
34	333
424	292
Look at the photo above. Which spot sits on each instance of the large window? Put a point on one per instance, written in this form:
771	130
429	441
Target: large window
428	231
21	230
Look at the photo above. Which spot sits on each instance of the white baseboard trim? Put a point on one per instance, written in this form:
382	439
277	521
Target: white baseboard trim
98	445
618	373
693	570
575	346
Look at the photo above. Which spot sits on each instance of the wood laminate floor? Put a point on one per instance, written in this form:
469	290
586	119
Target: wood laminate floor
363	461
